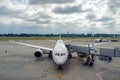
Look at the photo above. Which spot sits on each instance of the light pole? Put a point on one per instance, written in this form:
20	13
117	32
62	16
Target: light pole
118	36
91	37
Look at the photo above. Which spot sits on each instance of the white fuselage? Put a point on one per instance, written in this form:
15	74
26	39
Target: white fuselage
60	53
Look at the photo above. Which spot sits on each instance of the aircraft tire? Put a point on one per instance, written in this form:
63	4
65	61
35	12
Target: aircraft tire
69	56
60	67
50	55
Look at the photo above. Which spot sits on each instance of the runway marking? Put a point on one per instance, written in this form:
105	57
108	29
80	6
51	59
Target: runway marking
99	74
44	74
59	76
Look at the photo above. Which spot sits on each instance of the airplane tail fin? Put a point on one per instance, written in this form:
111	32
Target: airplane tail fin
60	36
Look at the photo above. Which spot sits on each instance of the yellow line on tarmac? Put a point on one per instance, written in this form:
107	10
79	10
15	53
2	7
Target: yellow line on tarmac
59	76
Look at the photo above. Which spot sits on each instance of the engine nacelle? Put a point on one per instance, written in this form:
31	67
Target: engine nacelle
38	53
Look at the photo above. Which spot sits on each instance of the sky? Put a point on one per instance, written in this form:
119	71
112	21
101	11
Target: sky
59	16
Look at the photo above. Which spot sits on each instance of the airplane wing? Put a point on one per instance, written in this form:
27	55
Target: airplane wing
68	40
96	45
99	43
52	41
91	45
30	45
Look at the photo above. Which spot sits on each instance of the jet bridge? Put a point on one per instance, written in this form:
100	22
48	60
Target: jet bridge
104	54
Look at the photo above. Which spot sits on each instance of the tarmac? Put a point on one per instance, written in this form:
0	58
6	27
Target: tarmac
17	62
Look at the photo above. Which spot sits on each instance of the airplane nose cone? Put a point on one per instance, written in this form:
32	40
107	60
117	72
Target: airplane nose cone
60	61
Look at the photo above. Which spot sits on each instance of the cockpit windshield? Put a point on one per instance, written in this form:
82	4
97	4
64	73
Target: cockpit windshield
59	54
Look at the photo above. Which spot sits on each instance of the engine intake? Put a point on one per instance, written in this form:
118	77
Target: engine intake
38	53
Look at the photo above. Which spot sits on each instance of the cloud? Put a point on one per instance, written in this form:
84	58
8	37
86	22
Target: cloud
34	2
22	28
104	19
68	9
50	16
40	18
90	17
4	11
114	5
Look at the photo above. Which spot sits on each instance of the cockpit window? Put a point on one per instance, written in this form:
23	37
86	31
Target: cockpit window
62	54
59	54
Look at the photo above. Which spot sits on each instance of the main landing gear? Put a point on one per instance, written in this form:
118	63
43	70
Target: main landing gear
50	55
69	56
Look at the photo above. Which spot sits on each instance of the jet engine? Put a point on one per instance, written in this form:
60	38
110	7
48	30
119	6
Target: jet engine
38	53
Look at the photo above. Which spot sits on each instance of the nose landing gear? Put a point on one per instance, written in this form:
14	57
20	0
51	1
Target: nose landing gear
60	67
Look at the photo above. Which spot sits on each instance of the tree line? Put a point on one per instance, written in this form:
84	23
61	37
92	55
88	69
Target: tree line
56	35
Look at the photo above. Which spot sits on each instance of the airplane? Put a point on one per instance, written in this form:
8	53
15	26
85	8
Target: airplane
59	53
100	40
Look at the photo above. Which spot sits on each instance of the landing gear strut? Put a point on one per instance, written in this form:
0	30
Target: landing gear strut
50	55
69	56
60	67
